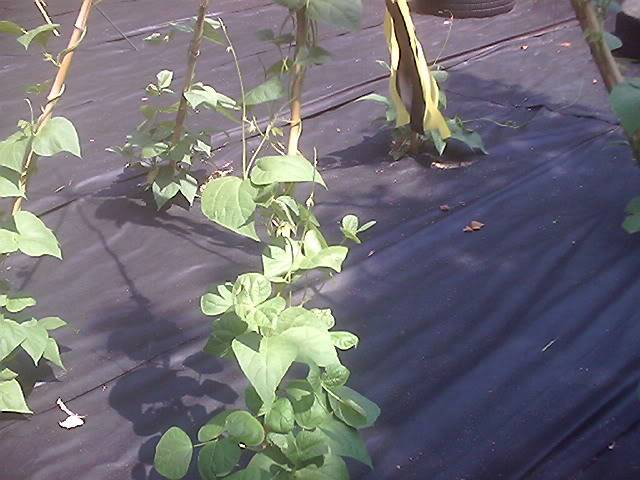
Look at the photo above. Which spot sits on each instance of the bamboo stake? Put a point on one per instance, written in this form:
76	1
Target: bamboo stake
56	91
607	65
42	7
592	28
298	80
194	52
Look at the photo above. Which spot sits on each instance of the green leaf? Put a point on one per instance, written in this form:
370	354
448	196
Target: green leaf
284	169
17	304
252	400
13	151
632	224
349	228
228	201
7	374
308	410
188	187
11	336
263	316
213	304
164	77
298	317
330	257
36	340
214	427
250	473
367	226
459	132
344	441
272	89
314	345
51	323
10	183
8	241
200	94
280	418
633	206
280	259
264	362
165	186
350	223
11	28
251	289
52	353
218	459
55	136
310	445
339	13
344	340
325	316
313	56
332	468
40	35
228	327
314	242
245	428
212	31
34	238
12	398
612	41
353	408
173	454
335	376
625	101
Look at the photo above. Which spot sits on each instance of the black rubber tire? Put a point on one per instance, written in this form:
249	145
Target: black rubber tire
463	8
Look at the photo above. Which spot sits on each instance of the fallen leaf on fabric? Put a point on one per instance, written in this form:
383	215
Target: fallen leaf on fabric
73	420
474	226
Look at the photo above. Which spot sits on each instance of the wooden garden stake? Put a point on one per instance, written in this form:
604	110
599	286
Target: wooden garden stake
607	65
194	52
57	89
594	34
296	85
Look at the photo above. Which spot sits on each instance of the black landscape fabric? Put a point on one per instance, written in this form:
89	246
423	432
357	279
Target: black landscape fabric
508	353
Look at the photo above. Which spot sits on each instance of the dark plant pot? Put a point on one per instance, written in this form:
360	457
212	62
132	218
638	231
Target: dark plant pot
463	8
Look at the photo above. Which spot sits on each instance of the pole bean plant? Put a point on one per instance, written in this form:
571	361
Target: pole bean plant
21	230
162	145
299	423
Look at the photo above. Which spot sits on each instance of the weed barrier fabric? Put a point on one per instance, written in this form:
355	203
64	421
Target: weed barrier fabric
511	352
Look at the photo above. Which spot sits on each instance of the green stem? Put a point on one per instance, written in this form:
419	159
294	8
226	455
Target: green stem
232	50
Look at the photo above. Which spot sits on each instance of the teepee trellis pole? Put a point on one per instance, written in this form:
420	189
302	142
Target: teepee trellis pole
57	89
593	30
